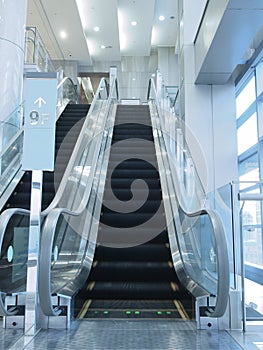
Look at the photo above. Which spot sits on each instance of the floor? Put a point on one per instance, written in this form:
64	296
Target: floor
123	334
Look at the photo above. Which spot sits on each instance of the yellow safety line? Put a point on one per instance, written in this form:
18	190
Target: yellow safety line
181	310
90	285
84	309
174	286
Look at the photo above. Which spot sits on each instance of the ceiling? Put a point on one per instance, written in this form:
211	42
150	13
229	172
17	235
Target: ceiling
116	36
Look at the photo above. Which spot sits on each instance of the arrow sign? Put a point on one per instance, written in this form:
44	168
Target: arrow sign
40	100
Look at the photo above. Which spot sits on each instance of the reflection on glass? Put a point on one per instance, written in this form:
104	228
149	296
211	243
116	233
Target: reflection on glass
253	300
10	254
251	176
252	232
247	134
246	97
247	165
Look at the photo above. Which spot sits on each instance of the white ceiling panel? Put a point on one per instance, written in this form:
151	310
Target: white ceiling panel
57	16
116	36
101	14
135	40
164	32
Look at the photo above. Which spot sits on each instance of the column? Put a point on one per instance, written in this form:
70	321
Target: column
12	39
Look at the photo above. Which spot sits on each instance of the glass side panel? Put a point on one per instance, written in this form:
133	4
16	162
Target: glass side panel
73	235
253	258
197	236
252	232
13	261
221	200
253	300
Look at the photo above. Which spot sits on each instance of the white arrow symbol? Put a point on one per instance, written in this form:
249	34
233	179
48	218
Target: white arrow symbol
40	100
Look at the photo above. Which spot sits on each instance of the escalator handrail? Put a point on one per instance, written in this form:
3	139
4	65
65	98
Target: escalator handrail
63	182
50	227
219	235
7	215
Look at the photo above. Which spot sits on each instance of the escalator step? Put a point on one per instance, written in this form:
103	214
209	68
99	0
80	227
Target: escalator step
125	183
141	253
135	173
138	206
132	290
127	194
141	277
132	272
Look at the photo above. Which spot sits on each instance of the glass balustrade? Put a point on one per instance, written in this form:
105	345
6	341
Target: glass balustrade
15	222
197	237
36	53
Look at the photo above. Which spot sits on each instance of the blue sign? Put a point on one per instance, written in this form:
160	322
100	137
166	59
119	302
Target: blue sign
40	120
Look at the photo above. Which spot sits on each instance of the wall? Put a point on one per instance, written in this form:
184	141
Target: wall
168	65
208	111
227	31
133	73
70	68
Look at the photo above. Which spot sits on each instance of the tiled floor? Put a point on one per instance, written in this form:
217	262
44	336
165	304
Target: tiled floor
249	340
123	334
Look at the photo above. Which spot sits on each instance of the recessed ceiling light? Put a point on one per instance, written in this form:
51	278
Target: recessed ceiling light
134	23
105	46
161	18
63	34
133	79
96	29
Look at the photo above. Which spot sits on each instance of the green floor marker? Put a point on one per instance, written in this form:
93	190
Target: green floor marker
159	313
106	312
137	312
128	312
168	313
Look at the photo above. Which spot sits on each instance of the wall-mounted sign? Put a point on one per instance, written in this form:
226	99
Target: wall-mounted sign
40	94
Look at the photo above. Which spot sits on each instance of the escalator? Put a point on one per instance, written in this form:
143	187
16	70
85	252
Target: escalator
14	271
71	120
133	275
129	188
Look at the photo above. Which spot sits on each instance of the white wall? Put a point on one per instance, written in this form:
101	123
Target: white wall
209	114
133	73
193	12
224	134
168	65
70	68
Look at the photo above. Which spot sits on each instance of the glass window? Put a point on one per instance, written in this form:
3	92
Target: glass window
259	74
246	97
249	114
247	134
251	176
252	232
